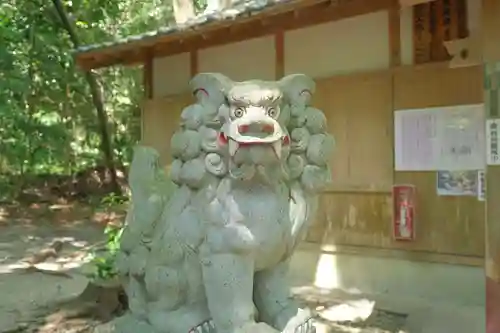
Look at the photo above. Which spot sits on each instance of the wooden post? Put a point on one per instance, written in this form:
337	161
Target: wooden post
193	63
491	58
147	77
147	82
279	55
183	10
395	35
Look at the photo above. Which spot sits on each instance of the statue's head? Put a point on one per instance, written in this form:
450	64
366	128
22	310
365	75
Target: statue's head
249	128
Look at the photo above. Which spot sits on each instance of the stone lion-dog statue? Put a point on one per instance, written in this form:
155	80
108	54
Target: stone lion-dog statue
207	247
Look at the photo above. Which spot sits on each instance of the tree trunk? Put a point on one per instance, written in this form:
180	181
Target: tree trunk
183	10
97	99
30	99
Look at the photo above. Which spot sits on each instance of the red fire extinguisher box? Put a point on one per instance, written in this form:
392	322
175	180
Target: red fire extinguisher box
403	221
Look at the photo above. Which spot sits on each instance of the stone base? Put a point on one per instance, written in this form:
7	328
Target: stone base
129	324
125	324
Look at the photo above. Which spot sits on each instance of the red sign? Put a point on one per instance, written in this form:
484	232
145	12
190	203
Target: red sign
403	201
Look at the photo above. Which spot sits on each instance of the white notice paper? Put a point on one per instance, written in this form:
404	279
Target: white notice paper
443	138
461	138
414	139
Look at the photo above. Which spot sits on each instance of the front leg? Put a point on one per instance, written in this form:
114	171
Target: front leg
274	303
228	269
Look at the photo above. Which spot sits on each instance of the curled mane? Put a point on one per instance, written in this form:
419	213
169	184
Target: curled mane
198	157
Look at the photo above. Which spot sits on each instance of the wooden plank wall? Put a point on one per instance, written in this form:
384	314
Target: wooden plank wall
356	211
161	118
446	224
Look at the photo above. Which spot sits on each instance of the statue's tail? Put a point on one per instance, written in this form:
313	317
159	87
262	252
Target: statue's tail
310	152
150	191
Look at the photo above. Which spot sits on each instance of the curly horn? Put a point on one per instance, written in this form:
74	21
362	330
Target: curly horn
210	88
298	89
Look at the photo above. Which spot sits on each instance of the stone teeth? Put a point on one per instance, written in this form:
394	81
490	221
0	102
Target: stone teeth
277	148
233	147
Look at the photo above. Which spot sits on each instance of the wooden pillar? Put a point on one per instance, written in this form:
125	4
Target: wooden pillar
147	82
279	55
147	77
395	35
193	63
491	58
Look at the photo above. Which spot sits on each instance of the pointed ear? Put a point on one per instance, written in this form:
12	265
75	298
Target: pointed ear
297	89
210	88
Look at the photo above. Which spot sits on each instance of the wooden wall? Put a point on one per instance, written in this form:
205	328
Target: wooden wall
356	210
447	224
359	95
161	118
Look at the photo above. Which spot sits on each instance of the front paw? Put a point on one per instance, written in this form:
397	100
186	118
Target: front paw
205	327
258	327
306	327
209	327
302	322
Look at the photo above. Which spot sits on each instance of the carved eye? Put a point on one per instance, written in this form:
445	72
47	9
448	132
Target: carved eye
239	112
272	112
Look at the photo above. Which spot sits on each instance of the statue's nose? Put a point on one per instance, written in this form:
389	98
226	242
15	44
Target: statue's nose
259	127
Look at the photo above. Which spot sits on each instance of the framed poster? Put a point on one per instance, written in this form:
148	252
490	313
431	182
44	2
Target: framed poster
457	183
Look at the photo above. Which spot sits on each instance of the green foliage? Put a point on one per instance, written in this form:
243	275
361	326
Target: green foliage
112	200
104	263
47	118
48	123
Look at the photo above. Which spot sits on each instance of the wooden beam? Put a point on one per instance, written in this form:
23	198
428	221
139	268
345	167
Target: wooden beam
491	56
438	50
147	82
491	30
279	54
233	31
421	34
379	252
395	36
408	3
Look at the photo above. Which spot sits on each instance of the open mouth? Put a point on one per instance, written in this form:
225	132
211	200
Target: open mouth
234	145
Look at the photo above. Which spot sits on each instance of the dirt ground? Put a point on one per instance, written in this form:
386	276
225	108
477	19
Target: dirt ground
32	282
32	285
34	288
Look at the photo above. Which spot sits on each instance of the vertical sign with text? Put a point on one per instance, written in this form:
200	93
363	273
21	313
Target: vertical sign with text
493	142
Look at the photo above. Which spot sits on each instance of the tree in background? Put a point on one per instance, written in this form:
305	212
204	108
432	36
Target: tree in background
54	118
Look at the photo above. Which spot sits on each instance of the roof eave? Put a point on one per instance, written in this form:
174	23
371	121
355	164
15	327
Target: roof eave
217	30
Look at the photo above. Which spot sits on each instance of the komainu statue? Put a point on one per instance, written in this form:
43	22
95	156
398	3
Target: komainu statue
207	247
